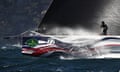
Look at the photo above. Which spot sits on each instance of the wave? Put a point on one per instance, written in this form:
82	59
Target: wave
11	46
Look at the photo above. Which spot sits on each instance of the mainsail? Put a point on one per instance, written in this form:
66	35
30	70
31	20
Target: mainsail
72	13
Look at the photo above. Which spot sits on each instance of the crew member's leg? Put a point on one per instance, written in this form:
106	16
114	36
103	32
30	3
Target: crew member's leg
105	32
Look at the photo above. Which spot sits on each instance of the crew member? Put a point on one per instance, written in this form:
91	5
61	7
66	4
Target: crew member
104	28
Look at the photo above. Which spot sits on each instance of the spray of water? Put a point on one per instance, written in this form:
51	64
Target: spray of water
95	50
70	31
82	41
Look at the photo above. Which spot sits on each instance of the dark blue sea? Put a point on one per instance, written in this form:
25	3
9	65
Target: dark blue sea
11	60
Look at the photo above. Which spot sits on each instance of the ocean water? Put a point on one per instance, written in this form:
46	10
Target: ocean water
11	60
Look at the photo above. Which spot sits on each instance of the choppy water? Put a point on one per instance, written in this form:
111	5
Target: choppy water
11	60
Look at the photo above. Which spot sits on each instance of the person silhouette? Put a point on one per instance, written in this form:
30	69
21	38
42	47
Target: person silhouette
104	28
